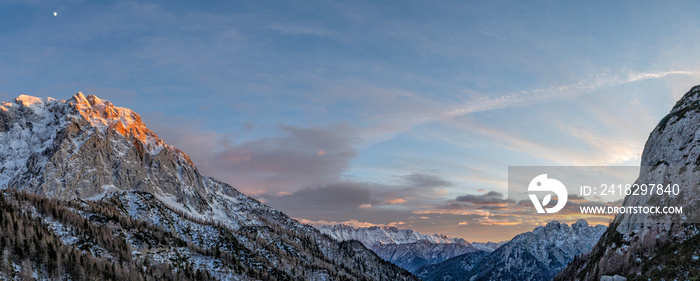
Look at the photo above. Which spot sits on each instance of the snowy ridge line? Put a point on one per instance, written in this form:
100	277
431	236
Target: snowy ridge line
385	235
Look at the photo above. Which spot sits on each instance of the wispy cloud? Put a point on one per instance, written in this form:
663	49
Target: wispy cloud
606	150
535	96
385	129
394	201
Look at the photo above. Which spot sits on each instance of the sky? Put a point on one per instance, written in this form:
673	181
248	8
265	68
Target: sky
397	113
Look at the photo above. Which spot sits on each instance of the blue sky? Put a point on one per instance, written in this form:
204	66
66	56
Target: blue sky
368	112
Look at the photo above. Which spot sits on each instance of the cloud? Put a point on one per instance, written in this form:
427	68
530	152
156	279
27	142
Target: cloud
454	209
420	180
367	203
283	193
395	201
396	224
473	204
491	209
492	221
411	190
607	150
432	112
292	159
490	198
341	196
556	92
594	149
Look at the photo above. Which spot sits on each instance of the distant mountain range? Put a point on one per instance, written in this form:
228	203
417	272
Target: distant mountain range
488	246
385	235
91	193
404	247
535	255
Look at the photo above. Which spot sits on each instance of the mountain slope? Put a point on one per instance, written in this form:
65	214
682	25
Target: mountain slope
656	247
411	256
535	255
86	148
403	247
456	268
488	246
93	240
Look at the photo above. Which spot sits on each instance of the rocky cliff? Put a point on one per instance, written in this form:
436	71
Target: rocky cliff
660	246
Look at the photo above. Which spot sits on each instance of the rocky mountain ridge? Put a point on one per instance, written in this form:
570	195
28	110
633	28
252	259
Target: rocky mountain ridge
385	235
488	246
87	149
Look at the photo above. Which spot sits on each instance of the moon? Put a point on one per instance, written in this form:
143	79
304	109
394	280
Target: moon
55	14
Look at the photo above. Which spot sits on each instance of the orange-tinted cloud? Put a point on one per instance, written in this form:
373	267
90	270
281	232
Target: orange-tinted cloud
395	201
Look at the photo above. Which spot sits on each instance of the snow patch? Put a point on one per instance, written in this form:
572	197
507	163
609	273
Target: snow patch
29	100
106	189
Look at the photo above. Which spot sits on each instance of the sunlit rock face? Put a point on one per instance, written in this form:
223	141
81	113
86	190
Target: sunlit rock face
86	146
656	246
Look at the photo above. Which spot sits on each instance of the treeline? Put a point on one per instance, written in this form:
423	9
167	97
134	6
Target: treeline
290	251
100	241
291	248
100	250
98	253
271	252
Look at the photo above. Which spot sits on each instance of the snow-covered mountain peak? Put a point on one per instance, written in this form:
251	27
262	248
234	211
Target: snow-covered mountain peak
102	114
29	100
26	101
563	232
581	223
556	226
385	235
